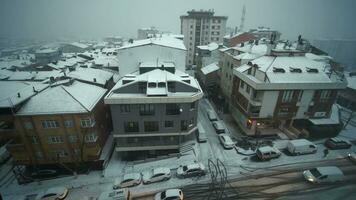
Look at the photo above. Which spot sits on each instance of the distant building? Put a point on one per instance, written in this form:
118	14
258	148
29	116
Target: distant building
201	28
289	90
67	123
236	38
346	98
154	50
208	76
154	112
144	33
207	54
44	56
265	32
74	47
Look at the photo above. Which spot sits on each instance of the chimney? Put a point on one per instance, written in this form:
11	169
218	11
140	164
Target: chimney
94	79
18	95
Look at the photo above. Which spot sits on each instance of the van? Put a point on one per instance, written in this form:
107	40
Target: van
301	146
327	174
267	153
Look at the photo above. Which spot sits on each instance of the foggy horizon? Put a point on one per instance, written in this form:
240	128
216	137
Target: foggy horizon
95	19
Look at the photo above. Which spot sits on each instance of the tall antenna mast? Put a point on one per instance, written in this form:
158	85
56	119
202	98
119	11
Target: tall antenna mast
242	18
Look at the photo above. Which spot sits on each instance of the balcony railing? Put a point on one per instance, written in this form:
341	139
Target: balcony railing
158	142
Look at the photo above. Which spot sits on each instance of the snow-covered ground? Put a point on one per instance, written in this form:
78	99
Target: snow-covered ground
237	165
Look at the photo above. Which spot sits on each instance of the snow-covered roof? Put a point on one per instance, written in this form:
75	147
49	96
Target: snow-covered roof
106	61
23	75
162	41
15	92
80	45
4	74
46	50
210	47
97	76
229	36
209	68
43	75
10	63
351	81
155	64
75	98
246	56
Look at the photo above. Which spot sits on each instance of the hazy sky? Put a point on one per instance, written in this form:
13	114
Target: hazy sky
97	18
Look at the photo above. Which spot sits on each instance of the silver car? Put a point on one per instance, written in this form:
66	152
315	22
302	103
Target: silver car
195	169
327	174
212	116
219	127
156	175
226	141
128	180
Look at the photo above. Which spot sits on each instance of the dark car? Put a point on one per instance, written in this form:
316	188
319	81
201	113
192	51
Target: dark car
337	143
44	174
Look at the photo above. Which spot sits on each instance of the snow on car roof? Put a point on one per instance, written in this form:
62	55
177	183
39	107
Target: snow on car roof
56	190
134	176
172	192
267	148
300	142
164	170
330	170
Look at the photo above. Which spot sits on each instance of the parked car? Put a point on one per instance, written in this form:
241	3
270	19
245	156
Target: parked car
323	174
201	135
352	156
121	194
226	141
219	127
301	146
267	153
54	193
156	175
195	169
128	180
44	174
337	143
212	115
170	194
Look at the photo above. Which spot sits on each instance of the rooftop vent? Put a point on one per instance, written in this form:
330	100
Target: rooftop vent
295	70
278	70
312	70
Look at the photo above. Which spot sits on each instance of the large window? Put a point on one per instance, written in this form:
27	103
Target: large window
28	125
168	124
55	139
72	138
147	109
287	96
59	153
68	123
125	108
91	137
151	126
34	139
131	127
172	109
87	122
171	87
50	124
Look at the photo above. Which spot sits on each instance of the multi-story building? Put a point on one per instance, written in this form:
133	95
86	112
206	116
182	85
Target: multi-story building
236	38
346	98
274	91
154	112
67	123
47	55
265	32
143	33
201	28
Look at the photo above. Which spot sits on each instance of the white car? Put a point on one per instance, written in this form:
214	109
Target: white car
226	141
323	174
212	116
219	127
156	175
128	180
170	194
54	193
352	156
195	169
267	153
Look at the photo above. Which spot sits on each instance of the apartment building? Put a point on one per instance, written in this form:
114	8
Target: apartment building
346	98
154	112
144	33
67	123
235	38
201	28
276	90
47	55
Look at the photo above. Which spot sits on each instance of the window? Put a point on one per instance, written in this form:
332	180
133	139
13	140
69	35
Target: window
191	26
147	109
28	125
55	139
325	95
91	137
60	153
68	123
161	84
172	109
77	152
87	122
152	85
142	87
168	124
72	138
300	95
192	106
50	124
39	155
131	127
171	87
183	125
191	122
248	89
151	126
287	96
242	84
34	139
125	108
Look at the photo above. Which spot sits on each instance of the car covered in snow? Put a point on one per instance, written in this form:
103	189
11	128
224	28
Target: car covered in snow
226	141
170	194
54	193
156	175
212	116
267	153
121	194
327	174
219	127
128	180
337	143
195	169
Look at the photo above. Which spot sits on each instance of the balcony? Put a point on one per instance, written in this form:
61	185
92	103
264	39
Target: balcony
147	144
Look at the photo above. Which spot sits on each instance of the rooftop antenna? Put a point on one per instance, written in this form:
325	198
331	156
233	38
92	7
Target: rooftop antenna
242	22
